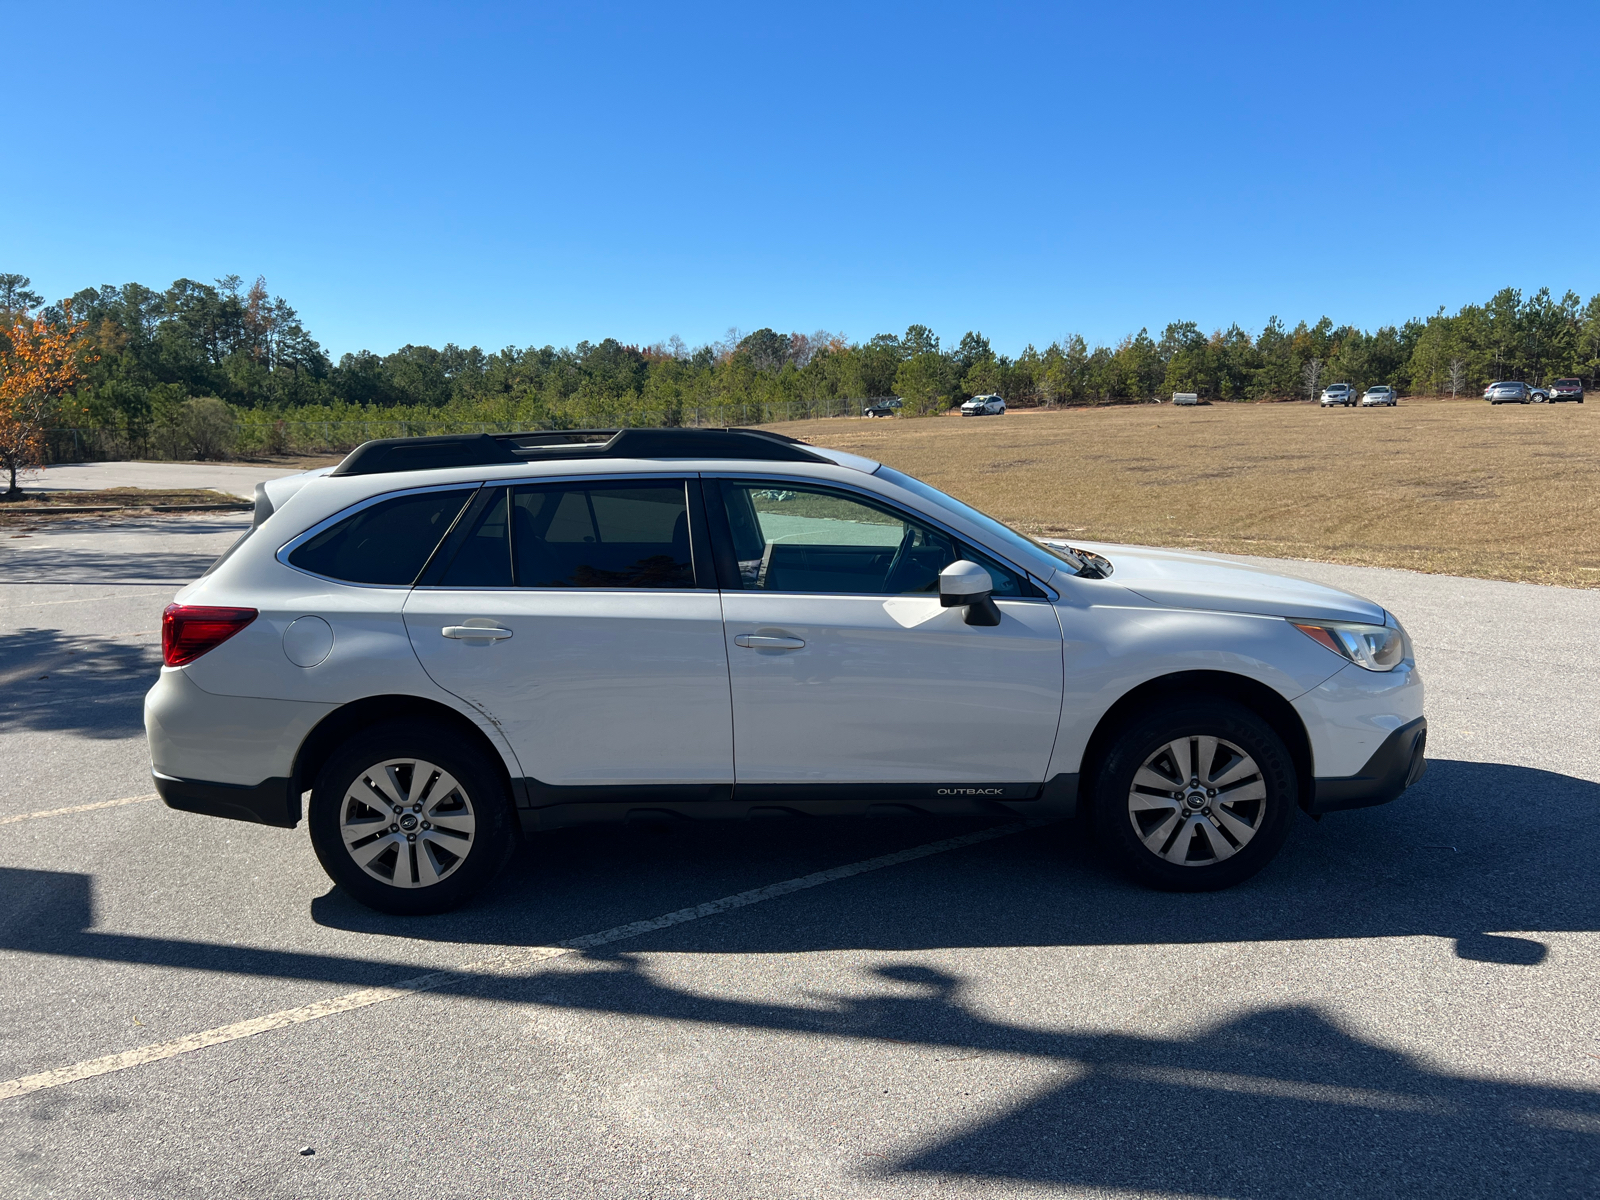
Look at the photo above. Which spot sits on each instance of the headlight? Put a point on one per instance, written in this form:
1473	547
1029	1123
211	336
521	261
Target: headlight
1375	647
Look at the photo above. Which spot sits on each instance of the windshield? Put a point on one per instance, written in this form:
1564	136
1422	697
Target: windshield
1004	535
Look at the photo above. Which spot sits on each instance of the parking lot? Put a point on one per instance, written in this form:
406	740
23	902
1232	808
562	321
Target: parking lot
1407	1002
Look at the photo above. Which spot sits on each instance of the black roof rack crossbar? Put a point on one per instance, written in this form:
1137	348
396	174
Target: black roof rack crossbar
385	455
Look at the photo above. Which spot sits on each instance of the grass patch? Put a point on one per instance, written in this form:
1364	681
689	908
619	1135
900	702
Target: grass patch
112	502
1448	487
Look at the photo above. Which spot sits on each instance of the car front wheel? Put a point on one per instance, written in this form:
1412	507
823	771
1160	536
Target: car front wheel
1194	796
408	821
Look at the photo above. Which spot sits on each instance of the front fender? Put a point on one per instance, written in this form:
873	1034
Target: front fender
1113	648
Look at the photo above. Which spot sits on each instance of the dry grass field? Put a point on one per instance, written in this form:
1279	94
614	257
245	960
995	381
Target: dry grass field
1452	487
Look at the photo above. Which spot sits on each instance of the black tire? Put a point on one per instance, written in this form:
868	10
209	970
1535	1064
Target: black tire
478	804
1118	828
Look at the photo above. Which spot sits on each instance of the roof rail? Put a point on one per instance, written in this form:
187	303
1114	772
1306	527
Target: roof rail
385	455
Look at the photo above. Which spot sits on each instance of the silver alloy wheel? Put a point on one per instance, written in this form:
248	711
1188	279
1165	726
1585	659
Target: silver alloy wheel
407	823
1197	800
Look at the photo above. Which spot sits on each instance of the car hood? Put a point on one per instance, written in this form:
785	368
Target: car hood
1202	581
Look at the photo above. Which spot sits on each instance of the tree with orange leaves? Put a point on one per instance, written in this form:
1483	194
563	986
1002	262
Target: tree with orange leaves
40	361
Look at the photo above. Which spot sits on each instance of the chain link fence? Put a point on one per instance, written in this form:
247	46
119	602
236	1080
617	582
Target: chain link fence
257	434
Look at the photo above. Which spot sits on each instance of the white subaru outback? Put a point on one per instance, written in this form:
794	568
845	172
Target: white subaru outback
450	641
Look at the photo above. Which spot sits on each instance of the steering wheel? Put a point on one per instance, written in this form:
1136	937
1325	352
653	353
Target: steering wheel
899	557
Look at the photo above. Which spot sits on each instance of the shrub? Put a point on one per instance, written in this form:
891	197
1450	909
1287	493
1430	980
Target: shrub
205	428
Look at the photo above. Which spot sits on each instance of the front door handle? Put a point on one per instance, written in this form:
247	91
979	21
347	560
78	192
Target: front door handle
488	633
761	641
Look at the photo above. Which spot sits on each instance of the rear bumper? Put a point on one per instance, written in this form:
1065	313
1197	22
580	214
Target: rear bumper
232	740
270	802
1398	763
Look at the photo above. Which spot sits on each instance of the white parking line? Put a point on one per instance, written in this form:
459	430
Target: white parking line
77	808
4	607
502	965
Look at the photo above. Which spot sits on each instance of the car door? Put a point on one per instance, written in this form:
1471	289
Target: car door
846	670
601	652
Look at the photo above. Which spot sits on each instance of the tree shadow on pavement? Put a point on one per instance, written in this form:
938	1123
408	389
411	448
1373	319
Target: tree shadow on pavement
1531	871
1274	1102
102	568
150	551
1415	867
1277	1102
82	684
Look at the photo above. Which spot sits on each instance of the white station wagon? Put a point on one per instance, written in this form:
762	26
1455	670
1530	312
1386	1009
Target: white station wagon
448	642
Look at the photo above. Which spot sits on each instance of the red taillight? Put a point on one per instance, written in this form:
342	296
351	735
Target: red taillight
189	630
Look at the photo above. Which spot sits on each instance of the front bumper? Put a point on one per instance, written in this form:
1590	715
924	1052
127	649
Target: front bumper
1398	763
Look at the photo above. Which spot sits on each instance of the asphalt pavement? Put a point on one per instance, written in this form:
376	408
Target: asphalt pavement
1404	1004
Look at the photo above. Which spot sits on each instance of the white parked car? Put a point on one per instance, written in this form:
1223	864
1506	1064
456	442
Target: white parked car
984	406
447	642
1341	394
1380	396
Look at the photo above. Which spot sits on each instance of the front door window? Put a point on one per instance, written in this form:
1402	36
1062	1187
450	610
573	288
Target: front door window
806	539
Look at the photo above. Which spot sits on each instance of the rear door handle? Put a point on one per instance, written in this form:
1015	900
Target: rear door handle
488	633
759	641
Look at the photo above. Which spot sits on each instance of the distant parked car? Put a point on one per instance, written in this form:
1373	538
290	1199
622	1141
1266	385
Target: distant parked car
984	406
1185	398
1341	394
1380	396
1566	389
1508	391
882	408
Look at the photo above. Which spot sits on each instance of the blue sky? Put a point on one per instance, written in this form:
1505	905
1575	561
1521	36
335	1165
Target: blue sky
524	174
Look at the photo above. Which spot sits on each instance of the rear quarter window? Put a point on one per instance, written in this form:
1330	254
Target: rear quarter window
385	543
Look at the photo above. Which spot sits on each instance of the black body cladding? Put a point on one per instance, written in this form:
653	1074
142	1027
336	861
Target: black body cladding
1394	766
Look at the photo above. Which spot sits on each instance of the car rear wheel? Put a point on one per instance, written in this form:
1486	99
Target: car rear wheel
1195	795
408	821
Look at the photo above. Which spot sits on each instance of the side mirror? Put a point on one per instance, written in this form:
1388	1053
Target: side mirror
966	585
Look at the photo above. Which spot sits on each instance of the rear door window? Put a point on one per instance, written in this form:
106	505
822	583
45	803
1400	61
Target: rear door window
385	543
615	534
478	554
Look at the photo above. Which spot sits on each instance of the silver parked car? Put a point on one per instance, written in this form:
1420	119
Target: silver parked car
1381	395
453	641
1508	391
1341	394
